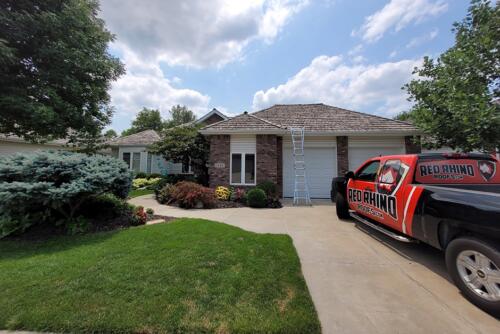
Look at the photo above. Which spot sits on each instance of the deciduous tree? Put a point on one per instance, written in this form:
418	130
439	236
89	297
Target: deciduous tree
55	69
456	96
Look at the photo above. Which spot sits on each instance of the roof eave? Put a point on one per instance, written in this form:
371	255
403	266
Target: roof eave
312	133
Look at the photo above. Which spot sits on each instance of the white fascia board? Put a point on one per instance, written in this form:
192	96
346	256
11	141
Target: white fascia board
315	133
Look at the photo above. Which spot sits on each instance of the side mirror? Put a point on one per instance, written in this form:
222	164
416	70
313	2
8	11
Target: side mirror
349	175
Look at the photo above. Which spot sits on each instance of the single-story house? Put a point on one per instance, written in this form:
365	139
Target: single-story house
133	149
254	147
10	144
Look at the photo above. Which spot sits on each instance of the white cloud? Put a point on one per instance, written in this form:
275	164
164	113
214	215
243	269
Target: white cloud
393	54
422	39
398	14
197	33
332	81
144	85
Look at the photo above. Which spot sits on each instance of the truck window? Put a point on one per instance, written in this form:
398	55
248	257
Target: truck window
368	172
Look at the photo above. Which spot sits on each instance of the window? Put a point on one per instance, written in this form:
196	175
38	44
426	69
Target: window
150	163
126	158
390	172
368	172
186	166
136	161
242	168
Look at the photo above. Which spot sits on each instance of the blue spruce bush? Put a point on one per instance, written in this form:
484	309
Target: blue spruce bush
34	186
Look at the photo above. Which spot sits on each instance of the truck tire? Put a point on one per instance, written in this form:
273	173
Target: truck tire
341	206
474	266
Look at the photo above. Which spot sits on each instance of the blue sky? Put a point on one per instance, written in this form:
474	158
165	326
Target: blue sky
248	55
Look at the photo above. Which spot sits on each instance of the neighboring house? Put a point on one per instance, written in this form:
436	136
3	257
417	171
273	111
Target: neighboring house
254	147
133	149
10	144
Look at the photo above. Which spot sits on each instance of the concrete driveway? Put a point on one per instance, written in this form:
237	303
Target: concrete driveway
360	280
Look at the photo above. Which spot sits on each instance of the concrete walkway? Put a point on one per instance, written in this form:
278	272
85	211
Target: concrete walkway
360	281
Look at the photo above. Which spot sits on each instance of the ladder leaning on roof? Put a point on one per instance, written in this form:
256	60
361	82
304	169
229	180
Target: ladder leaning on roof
301	189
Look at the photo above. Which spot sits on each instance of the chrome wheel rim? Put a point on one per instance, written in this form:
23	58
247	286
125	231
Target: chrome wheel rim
480	274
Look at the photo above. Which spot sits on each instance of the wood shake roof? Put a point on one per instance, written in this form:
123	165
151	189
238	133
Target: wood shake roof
143	138
315	118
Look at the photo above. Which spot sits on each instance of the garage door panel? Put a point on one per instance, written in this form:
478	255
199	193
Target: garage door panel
321	167
358	155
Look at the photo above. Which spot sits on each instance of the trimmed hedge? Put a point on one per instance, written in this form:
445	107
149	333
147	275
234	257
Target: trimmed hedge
256	198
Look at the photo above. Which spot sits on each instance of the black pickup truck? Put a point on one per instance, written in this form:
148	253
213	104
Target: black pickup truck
449	201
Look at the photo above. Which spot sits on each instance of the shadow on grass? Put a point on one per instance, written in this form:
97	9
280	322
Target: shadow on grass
22	248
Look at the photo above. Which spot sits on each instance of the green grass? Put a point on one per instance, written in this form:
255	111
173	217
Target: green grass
191	275
140	192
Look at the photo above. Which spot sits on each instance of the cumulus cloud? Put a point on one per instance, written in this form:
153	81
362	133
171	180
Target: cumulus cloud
197	33
144	85
333	81
422	39
397	14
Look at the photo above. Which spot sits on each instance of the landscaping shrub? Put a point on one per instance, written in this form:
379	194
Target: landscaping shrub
222	193
145	182
164	195
256	198
45	187
150	211
238	195
269	187
140	217
190	195
171	179
140	175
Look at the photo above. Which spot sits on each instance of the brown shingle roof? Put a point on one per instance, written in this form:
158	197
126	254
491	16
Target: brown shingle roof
143	138
318	118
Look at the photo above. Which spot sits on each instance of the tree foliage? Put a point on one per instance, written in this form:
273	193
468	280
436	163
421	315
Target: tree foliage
179	115
55	69
185	144
456	95
146	119
110	134
35	185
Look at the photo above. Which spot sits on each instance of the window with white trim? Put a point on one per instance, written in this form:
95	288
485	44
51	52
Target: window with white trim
243	168
133	160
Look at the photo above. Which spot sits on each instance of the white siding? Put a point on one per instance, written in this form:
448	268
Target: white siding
11	147
243	143
363	148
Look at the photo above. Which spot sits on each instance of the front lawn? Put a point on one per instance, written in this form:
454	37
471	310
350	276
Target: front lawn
140	192
190	275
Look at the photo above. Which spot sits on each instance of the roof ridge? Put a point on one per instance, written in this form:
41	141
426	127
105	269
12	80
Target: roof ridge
372	115
265	120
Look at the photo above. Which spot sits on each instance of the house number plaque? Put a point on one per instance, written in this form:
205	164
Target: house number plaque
219	165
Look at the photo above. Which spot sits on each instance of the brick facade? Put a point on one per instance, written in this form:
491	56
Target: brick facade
218	161
342	155
412	145
268	158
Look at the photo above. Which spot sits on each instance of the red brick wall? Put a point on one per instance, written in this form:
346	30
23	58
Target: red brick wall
219	154
412	145
342	155
267	156
279	163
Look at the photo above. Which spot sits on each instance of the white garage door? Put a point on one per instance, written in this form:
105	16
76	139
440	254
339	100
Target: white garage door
361	149
321	167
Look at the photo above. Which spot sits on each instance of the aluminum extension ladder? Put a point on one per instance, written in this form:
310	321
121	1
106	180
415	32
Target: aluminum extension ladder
301	189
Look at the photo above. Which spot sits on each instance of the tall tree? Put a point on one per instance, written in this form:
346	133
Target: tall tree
179	115
55	70
146	119
456	96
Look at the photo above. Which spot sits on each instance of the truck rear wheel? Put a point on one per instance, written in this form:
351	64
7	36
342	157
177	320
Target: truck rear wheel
474	266
341	206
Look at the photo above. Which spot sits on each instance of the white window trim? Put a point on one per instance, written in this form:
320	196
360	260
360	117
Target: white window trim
243	154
